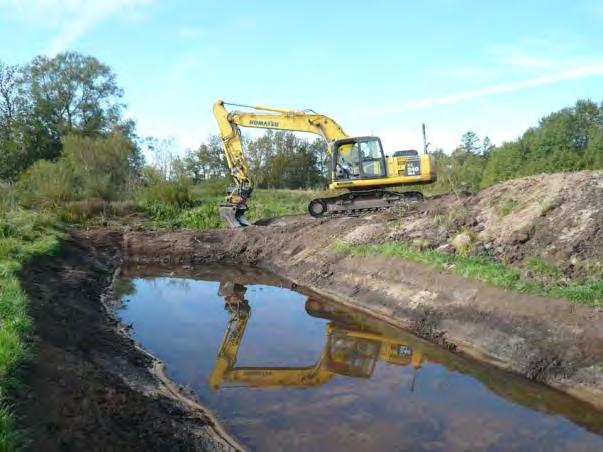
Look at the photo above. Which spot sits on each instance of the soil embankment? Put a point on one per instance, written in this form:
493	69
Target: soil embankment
555	217
90	384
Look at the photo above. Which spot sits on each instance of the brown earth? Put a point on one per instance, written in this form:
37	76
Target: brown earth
89	387
92	385
548	340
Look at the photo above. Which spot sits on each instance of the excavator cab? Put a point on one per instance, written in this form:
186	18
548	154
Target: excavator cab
351	356
358	158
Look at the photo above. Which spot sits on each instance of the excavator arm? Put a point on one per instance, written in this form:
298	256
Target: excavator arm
358	164
346	352
233	209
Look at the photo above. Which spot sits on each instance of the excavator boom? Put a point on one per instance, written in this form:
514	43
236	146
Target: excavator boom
358	164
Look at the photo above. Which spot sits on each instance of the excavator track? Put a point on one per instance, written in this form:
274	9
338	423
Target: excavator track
355	202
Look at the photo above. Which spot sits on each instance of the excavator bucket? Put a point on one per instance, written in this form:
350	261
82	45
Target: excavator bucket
234	215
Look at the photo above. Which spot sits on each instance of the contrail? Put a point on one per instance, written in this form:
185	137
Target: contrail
574	74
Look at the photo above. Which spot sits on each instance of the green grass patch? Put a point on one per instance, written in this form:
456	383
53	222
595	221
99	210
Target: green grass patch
482	269
507	207
22	235
543	268
203	213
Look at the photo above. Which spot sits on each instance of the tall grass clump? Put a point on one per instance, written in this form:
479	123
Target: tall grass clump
22	235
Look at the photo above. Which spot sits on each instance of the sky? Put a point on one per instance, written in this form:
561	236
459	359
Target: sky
376	67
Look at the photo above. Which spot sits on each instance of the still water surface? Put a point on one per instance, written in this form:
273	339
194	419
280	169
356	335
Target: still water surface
284	370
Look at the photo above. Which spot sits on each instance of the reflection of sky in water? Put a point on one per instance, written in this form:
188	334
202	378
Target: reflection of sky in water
183	321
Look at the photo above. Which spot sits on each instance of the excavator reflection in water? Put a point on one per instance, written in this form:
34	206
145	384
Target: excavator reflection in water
350	350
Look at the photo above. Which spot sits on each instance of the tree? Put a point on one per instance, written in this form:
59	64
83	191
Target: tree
10	102
470	142
72	92
50	98
570	139
193	166
99	166
487	146
212	159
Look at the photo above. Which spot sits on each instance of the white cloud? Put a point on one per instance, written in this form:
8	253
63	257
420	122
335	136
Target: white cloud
574	74
522	60
70	18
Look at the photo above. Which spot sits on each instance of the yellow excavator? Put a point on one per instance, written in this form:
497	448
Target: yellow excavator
351	349
358	164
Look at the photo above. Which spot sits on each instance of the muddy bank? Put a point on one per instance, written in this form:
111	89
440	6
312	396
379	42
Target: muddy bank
88	385
546	340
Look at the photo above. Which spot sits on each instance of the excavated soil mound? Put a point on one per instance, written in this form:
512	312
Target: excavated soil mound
556	217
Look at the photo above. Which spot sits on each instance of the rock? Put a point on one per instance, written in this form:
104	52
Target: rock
365	234
446	248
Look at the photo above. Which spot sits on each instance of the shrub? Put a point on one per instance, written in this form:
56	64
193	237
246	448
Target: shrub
100	166
8	196
46	184
205	216
167	192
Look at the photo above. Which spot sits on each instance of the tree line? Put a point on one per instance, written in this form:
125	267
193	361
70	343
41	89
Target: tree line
62	130
570	139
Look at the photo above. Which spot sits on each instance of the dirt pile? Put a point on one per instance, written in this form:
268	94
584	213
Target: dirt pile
556	217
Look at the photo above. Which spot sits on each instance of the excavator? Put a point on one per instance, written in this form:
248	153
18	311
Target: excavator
358	164
351	349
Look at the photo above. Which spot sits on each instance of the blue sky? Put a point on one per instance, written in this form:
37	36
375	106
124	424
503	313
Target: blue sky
377	67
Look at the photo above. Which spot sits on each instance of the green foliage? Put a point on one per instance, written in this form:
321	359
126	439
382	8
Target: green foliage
89	168
205	216
167	193
49	98
214	187
73	92
482	269
46	184
22	235
8	196
506	207
100	167
542	267
273	203
568	140
276	160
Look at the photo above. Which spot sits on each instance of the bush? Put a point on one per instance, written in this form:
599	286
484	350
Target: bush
46	184
214	187
100	166
175	193
8	196
205	216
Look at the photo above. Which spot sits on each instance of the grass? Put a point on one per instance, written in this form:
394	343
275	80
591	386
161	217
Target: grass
543	268
22	235
203	212
482	269
507	207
